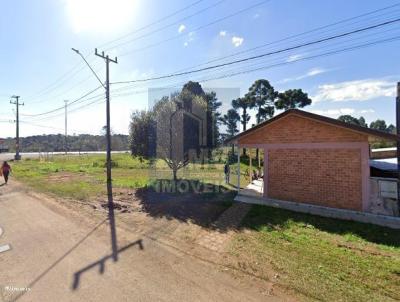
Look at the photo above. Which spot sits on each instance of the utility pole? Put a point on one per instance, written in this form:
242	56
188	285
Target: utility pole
17	104
66	124
108	137
398	142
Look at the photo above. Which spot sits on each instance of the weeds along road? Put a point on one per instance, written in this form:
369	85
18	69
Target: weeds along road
56	255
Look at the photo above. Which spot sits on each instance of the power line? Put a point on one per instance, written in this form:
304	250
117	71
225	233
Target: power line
70	73
97	99
168	25
264	54
279	64
62	107
151	24
296	35
368	36
196	29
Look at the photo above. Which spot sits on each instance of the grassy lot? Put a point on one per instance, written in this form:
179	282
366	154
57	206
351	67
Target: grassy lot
321	258
83	177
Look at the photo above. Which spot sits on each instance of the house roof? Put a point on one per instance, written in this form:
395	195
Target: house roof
320	118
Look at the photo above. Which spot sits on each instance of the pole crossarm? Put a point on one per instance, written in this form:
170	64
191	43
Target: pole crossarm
106	57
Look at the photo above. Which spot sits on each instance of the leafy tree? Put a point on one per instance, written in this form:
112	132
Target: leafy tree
347	118
230	120
262	96
362	122
193	88
176	134
391	129
244	104
213	104
292	98
142	134
378	125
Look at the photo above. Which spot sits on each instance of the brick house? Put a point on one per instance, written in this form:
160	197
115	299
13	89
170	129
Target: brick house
314	160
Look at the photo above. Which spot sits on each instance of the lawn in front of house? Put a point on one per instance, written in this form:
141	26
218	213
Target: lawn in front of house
320	258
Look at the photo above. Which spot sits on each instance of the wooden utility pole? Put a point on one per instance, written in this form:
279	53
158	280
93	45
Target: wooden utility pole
66	124
108	137
17	104
398	142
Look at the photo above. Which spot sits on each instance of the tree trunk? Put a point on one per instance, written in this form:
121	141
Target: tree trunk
174	172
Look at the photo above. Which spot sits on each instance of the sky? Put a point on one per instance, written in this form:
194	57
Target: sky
355	74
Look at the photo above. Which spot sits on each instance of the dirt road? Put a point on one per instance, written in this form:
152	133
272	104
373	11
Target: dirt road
57	255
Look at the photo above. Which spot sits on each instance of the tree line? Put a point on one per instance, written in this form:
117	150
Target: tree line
377	124
56	143
265	100
186	125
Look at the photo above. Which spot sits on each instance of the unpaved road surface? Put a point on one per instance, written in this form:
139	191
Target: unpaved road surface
57	255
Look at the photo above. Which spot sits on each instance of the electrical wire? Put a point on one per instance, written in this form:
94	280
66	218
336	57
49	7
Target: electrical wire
70	103
264	54
151	24
201	27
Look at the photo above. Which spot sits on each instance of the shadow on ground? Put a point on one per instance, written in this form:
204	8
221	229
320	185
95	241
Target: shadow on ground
268	218
198	202
204	207
101	263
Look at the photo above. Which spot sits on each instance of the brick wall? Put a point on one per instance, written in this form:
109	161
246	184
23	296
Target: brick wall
298	129
327	177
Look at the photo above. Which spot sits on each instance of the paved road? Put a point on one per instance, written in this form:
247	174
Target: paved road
58	256
9	156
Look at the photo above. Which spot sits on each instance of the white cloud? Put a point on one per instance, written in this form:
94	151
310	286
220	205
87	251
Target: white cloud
360	90
311	73
190	38
367	111
315	71
294	57
191	35
181	28
343	111
222	33
237	41
334	112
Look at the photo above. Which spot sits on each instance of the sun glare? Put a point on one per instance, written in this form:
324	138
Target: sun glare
101	15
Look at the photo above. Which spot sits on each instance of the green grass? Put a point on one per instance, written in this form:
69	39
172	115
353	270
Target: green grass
83	177
320	258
